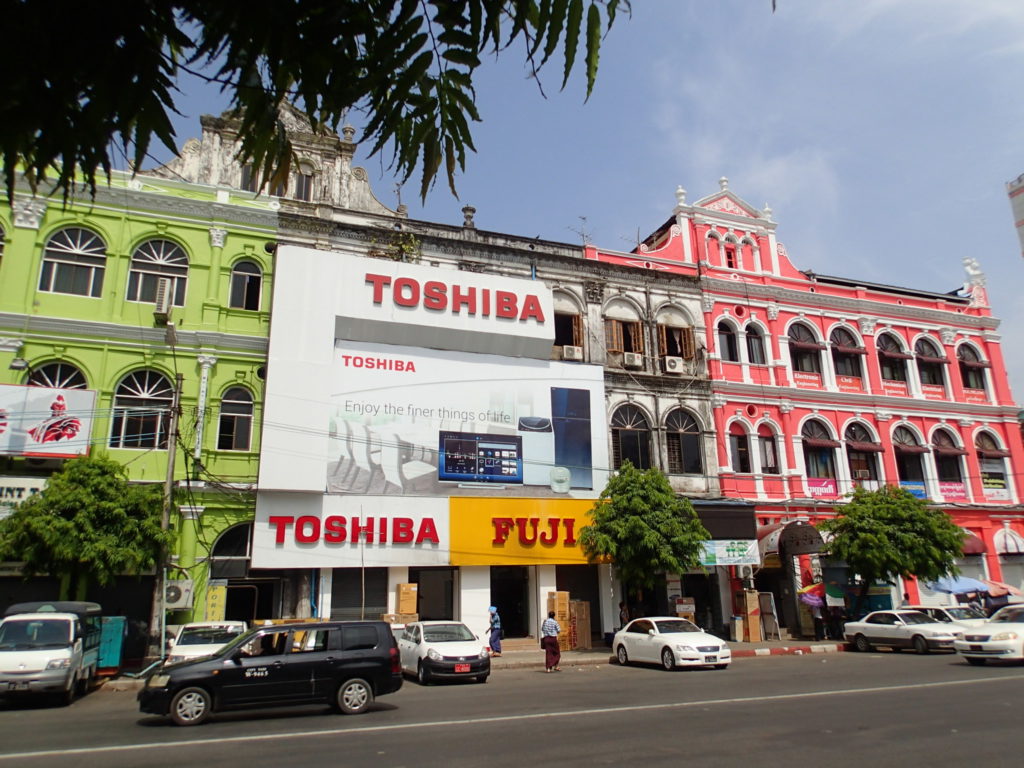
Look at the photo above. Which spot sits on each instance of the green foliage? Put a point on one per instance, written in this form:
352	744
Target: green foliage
88	523
889	532
407	65
643	528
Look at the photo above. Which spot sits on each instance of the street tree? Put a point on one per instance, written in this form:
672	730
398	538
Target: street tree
643	528
890	532
88	524
110	70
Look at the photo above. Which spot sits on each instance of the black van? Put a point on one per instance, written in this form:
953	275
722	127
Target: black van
343	663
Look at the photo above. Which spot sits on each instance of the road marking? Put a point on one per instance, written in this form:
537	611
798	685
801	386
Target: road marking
496	719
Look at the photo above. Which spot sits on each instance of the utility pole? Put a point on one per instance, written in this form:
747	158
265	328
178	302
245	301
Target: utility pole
158	617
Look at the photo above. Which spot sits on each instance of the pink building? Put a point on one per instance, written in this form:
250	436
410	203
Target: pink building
820	383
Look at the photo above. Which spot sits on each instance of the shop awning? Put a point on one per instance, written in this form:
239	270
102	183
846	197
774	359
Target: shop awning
988	453
930	359
809	346
906	448
857	445
794	538
820	442
726	519
975	363
844	350
893	354
1008	542
973	544
948	450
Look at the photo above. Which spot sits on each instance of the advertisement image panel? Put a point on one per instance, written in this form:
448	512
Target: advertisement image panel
40	421
412	421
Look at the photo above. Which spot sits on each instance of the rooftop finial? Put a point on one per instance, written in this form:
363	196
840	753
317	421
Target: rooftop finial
680	195
723	183
767	210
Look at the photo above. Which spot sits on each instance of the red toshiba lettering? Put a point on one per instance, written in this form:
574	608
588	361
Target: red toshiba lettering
401	530
532	309
280	523
502	528
413	297
427	532
307	529
379	283
460	299
334	529
359	529
506	305
435	295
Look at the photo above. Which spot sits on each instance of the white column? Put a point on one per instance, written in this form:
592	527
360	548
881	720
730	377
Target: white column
398	574
323	607
610	595
475	597
545	583
205	363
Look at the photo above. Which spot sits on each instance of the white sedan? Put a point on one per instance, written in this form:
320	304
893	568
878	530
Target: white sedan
671	642
443	649
202	638
1002	637
901	629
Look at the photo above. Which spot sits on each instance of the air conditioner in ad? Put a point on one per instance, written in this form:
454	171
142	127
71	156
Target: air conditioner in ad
632	360
572	353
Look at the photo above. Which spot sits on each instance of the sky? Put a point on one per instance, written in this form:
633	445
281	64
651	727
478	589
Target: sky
882	133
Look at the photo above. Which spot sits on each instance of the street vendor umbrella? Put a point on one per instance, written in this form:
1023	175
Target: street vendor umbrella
999	589
812	594
809	598
957	585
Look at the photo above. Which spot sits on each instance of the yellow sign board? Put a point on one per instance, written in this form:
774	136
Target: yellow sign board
494	531
216	600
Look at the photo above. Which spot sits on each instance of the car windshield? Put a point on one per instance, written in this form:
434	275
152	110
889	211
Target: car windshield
207	635
236	642
676	625
1015	616
447	633
27	634
916	617
958	614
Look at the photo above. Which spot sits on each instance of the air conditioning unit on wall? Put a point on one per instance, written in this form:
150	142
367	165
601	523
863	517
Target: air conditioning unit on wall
572	353
178	594
673	364
632	360
163	301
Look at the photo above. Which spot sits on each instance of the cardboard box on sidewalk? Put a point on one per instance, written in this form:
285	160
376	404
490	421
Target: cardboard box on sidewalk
407	598
579	625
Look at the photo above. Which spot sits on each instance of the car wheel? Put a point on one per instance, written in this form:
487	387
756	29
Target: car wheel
191	706
423	674
721	666
975	662
481	678
621	655
920	644
67	696
861	644
668	659
354	696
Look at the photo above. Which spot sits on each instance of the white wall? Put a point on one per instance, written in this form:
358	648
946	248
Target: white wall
475	597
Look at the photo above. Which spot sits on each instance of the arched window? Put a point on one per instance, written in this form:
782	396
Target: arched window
846	353
142	403
682	434
155	260
755	346
631	437
229	558
304	182
246	285
234	432
908	455
727	348
804	349
623	331
992	460
947	457
861	452
739	448
892	360
930	362
819	450
769	453
675	335
74	260
972	367
731	258
57	376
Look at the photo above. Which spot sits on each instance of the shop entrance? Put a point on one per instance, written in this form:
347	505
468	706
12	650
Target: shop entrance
436	592
510	593
581	582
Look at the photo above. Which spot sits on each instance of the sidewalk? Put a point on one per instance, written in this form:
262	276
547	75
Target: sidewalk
526	659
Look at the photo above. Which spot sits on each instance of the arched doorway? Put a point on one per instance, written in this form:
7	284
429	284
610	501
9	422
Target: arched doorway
787	559
250	595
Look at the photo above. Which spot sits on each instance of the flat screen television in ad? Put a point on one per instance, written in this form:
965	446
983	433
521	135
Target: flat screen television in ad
471	457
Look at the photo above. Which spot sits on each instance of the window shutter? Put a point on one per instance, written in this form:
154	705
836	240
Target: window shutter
662	340
689	344
577	331
613	335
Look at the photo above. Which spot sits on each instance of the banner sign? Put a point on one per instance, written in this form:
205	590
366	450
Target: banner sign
735	552
40	421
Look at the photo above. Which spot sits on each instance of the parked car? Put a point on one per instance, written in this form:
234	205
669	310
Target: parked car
965	616
1000	638
901	629
202	638
671	642
49	648
443	649
343	663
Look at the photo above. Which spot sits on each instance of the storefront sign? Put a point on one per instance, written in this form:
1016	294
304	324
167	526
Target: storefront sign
492	531
804	379
456	298
915	488
933	391
894	388
822	487
317	531
738	552
14	490
952	491
850	383
216	599
993	480
975	396
40	421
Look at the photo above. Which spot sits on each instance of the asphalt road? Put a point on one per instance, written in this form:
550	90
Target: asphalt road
834	710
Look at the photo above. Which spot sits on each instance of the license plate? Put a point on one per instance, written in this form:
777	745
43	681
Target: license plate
710	659
462	667
17	686
975	647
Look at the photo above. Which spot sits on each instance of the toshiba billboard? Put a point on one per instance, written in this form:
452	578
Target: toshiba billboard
394	379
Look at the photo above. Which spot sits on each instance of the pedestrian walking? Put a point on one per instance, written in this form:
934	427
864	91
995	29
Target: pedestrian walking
549	631
623	614
495	639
